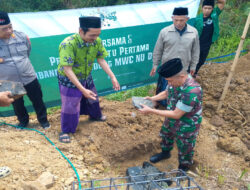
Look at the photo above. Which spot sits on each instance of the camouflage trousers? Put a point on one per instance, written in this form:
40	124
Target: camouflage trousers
185	142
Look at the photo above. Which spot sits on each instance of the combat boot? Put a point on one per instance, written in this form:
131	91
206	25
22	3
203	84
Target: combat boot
184	168
160	156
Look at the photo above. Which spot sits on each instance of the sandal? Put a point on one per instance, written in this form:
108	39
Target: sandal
64	137
4	171
102	119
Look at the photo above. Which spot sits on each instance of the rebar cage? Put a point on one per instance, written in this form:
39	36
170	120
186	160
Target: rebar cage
174	180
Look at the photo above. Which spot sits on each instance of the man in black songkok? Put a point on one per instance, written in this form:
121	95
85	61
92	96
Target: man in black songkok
207	25
182	115
179	40
90	22
77	55
170	68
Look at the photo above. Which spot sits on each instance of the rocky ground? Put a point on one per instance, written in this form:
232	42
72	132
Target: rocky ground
106	149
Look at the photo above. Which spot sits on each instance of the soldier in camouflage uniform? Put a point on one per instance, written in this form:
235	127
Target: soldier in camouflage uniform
183	114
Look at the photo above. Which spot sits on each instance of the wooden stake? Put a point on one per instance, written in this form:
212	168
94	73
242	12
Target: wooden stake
236	58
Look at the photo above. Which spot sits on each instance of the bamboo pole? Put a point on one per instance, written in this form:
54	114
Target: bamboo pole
236	58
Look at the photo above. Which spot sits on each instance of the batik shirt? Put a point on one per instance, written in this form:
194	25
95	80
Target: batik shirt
187	98
73	51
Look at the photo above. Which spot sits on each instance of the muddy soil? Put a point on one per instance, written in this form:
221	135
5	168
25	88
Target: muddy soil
106	149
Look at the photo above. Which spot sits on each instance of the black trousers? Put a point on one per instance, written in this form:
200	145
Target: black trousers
203	56
35	95
161	86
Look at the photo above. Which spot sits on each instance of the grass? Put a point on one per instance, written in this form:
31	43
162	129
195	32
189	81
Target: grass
52	110
227	45
107	170
204	171
232	22
97	183
143	91
221	179
117	170
243	173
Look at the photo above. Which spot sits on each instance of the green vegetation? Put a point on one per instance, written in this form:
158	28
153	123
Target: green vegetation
204	171
232	22
31	5
148	90
53	109
97	184
243	173
221	179
48	5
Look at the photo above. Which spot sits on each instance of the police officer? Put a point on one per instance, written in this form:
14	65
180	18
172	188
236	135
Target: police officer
15	66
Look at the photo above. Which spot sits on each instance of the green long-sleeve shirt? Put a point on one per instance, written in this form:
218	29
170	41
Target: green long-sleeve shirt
215	17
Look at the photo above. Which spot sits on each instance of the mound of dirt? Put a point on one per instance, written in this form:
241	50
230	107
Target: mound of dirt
233	120
128	138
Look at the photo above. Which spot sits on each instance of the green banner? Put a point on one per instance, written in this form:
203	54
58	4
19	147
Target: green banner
130	58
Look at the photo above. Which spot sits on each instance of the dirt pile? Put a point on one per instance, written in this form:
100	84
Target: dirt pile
233	120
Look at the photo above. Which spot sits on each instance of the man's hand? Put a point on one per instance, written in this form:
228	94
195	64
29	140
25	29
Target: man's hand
152	73
192	72
115	83
106	68
5	99
221	4
89	94
148	98
145	109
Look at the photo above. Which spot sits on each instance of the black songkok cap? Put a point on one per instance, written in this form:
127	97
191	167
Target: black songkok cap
90	22
4	18
208	3
180	11
170	68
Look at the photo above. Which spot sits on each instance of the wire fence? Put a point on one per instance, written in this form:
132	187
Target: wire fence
174	180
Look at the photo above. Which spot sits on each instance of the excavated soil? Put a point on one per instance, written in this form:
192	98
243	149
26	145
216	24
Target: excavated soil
106	149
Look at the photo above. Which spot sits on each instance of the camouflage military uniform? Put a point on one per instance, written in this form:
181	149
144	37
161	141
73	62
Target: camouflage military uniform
187	98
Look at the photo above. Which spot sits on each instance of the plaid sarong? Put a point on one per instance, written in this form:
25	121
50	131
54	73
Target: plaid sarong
75	104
